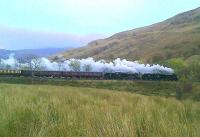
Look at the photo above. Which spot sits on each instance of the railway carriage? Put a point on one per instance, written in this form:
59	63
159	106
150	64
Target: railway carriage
121	76
53	74
10	72
90	75
83	75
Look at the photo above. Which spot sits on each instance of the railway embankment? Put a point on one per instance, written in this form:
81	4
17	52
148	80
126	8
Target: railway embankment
150	88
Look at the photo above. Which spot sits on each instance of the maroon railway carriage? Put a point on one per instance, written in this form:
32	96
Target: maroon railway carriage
86	75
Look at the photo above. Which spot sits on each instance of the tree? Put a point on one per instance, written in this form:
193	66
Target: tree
75	65
194	68
60	61
60	66
177	64
17	64
184	87
34	62
1	64
87	67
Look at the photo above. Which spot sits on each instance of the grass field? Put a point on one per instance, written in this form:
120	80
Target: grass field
149	88
64	111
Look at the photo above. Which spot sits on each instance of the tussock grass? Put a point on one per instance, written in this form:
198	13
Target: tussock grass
57	111
149	88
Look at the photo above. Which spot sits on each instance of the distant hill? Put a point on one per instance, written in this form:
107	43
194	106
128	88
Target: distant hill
176	37
45	52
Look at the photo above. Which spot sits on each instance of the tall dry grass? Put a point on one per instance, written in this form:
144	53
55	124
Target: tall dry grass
56	111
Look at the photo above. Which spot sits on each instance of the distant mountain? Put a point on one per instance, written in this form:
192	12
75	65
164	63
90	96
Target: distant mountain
4	53
176	37
16	38
45	52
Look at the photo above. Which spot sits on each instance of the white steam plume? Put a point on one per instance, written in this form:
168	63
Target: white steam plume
117	65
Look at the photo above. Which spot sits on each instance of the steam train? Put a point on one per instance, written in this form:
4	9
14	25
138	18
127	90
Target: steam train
89	75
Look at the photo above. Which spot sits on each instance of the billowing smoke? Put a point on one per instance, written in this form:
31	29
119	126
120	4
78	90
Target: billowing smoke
88	64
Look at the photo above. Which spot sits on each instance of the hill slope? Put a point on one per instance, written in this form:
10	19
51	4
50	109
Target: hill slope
176	37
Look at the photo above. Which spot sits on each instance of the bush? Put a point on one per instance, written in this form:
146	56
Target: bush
184	87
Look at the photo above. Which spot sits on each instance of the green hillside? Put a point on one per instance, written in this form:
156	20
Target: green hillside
177	37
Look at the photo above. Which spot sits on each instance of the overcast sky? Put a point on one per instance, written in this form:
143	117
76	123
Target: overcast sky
82	19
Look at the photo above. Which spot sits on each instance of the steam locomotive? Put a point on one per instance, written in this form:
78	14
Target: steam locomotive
89	75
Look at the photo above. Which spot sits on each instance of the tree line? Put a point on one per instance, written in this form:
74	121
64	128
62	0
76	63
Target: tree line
34	63
188	73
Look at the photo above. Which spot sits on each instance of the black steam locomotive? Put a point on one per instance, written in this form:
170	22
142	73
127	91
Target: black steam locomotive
89	75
